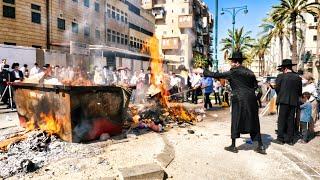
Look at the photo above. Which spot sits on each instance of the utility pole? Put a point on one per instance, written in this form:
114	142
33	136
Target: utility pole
216	35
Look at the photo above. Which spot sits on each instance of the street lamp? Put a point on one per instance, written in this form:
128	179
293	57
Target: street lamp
234	11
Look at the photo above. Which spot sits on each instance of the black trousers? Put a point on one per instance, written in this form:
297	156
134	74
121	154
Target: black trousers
195	96
207	101
217	98
286	122
226	98
259	95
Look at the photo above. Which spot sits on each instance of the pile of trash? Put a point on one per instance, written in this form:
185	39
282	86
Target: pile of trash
159	118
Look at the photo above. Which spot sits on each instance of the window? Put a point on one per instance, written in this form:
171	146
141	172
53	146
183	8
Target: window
35	7
113	12
135	42
75	1
36	17
109	10
131	41
126	18
9	1
35	13
113	36
97	34
87	31
315	19
36	46
9	11
126	39
172	20
86	3
133	8
183	10
122	16
315	38
109	35
10	43
118	15
118	38
61	24
96	6
122	38
75	28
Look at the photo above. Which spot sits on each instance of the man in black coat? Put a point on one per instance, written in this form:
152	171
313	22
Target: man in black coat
245	111
16	74
289	89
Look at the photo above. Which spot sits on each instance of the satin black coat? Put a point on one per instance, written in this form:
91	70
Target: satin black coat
244	109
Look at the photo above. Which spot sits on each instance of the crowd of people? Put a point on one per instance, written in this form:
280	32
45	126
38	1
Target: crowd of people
298	104
297	95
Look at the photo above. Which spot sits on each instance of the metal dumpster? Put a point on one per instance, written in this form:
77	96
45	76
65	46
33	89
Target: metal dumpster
74	113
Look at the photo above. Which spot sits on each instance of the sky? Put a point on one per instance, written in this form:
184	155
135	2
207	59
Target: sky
251	21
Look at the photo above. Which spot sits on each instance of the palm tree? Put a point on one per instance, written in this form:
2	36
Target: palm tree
240	41
289	11
274	29
260	49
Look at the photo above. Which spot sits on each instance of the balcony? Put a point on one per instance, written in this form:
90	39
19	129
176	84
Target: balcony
159	3
158	12
205	31
170	43
185	21
147	4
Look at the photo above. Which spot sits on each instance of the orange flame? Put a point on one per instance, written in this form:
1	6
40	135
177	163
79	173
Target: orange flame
157	79
159	83
49	124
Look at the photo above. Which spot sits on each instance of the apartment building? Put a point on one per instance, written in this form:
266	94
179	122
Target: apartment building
23	23
51	24
116	29
129	27
184	29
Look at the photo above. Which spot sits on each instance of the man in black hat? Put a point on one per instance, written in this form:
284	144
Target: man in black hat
289	89
244	115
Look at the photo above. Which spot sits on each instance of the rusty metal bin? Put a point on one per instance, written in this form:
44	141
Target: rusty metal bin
74	113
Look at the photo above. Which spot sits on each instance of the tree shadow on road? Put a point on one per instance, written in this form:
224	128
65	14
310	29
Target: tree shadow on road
249	145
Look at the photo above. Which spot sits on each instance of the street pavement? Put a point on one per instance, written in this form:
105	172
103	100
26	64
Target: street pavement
201	155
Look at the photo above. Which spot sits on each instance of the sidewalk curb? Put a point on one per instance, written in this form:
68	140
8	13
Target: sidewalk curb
145	171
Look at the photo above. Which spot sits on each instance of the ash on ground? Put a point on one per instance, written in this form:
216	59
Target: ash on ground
36	151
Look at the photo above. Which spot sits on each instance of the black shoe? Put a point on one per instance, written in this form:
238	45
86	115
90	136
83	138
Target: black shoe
261	150
291	143
231	149
277	141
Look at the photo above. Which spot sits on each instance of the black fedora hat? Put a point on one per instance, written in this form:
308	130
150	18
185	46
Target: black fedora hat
287	63
237	56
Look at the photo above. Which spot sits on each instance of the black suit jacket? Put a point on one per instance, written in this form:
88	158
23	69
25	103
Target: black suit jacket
13	77
288	88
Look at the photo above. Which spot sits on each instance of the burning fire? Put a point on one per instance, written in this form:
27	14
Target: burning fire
159	83
48	124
